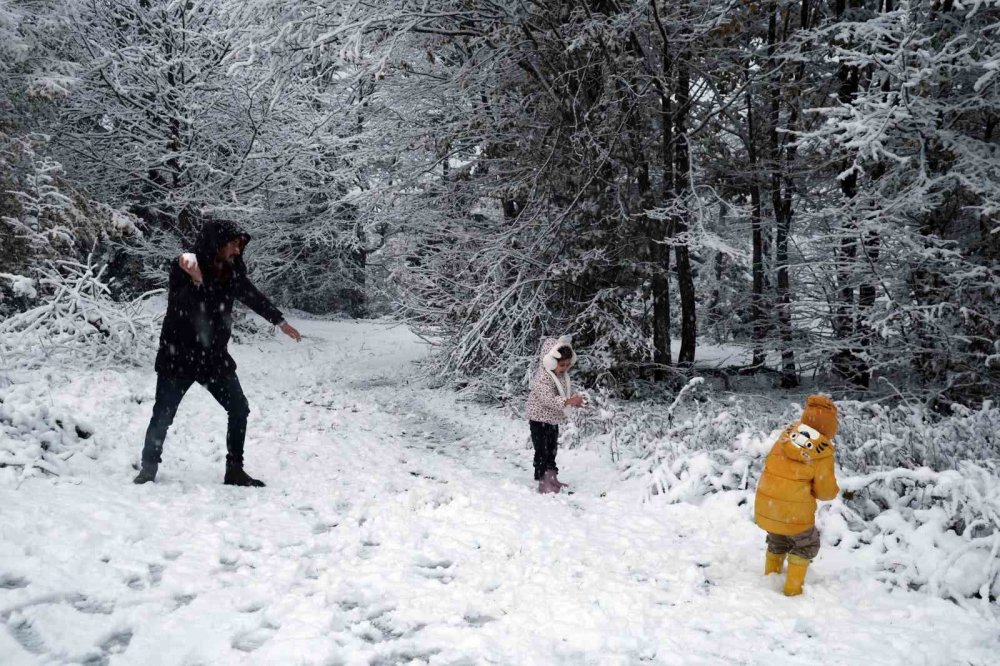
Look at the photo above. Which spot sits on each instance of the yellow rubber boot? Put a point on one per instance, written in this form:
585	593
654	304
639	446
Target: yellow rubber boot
796	575
773	563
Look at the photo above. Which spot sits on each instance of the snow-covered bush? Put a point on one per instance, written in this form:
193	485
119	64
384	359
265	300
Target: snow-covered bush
939	530
34	439
922	490
77	319
876	437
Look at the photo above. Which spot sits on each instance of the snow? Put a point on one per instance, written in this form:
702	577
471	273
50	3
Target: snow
400	525
21	285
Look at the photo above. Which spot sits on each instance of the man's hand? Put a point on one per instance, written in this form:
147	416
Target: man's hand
290	331
576	400
189	264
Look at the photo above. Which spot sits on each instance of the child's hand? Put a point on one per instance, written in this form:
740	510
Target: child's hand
576	400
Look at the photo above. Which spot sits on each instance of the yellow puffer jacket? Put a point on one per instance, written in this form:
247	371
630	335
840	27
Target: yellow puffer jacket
794	478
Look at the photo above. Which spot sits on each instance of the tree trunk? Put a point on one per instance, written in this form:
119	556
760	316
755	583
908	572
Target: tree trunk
781	205
757	319
659	249
847	363
682	157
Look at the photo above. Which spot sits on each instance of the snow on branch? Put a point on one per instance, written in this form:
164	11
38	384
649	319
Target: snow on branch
77	319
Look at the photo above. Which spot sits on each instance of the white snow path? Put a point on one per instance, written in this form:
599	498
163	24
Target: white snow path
400	525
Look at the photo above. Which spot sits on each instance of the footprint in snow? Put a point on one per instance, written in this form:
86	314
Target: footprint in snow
424	475
323	526
88	606
117	642
249	545
248	641
368	548
378	626
347	605
249	605
368	633
24	633
114	644
314	570
12	582
389	631
439	569
229	561
477	620
182	600
156	574
408	656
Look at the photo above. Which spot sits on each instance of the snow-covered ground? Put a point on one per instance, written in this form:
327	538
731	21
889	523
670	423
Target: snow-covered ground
400	525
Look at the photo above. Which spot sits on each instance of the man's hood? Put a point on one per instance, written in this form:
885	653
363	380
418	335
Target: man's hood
213	235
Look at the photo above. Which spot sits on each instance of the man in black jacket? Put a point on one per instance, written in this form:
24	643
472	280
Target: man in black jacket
193	341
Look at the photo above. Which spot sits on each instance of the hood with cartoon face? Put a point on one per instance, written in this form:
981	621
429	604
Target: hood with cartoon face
549	355
805	444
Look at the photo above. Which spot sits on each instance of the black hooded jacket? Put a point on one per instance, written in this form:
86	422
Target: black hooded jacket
199	319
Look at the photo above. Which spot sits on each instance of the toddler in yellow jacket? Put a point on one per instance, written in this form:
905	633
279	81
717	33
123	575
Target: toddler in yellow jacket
798	471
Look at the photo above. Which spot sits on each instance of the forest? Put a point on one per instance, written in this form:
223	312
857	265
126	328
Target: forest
728	205
816	183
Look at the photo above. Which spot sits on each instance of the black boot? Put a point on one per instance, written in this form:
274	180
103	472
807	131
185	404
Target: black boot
235	476
146	475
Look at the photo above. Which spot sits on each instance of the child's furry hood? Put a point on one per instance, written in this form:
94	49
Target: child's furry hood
549	354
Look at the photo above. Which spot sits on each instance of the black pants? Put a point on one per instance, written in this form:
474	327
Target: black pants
169	392
545	437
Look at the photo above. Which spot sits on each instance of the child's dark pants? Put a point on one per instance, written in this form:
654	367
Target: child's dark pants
545	437
804	544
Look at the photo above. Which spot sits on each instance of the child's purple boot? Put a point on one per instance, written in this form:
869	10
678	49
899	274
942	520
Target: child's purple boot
549	483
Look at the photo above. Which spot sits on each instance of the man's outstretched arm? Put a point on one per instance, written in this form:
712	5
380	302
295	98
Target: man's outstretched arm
250	296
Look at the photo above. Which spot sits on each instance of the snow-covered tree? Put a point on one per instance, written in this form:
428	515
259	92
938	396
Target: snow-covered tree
177	118
909	237
43	215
